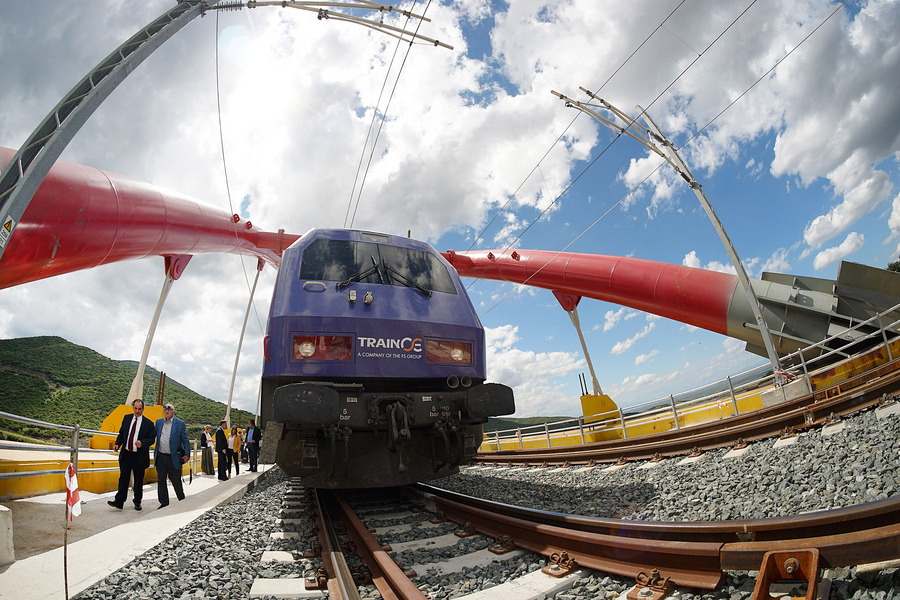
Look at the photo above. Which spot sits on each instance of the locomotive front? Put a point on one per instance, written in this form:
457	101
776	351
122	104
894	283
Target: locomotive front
374	369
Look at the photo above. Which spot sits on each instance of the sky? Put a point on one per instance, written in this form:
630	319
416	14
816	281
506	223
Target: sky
786	111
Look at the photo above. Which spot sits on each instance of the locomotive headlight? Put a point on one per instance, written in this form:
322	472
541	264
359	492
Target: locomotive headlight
442	351
323	347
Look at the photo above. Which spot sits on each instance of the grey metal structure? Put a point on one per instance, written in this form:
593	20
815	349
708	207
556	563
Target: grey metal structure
805	310
649	137
22	177
672	157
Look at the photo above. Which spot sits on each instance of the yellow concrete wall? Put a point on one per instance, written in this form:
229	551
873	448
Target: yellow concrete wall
113	423
22	461
711	411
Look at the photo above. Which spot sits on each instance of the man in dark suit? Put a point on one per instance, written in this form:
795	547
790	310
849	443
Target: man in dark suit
135	438
222	450
173	449
254	435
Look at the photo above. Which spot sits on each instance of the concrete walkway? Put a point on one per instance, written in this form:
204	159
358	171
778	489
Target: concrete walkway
103	539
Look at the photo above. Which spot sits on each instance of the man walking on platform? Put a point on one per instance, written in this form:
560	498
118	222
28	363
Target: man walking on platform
222	450
253	438
135	437
173	449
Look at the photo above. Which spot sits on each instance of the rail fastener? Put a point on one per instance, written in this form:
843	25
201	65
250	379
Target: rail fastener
561	564
650	587
788	565
468	530
319	581
502	544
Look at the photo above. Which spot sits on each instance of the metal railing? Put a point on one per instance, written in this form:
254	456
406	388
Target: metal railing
73	450
722	392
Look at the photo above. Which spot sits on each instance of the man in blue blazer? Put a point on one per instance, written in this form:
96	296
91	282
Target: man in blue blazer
254	436
173	449
133	444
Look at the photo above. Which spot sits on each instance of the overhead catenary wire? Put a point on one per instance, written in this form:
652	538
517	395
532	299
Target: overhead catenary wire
620	132
225	174
383	118
572	122
362	153
625	130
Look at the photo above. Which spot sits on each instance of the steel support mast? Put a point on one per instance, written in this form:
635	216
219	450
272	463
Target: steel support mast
22	177
650	137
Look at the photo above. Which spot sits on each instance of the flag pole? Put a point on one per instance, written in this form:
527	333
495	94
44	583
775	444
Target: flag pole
69	474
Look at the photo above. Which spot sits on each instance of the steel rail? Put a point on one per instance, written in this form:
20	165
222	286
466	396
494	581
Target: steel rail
341	585
691	554
805	412
387	576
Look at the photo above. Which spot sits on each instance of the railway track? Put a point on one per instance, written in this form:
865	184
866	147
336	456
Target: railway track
659	555
397	549
426	542
361	557
683	553
873	388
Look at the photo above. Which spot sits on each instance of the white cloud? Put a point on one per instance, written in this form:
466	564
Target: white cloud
853	242
642	358
536	377
731	345
463	133
849	66
894	219
692	260
626	345
777	263
862	188
614	317
650	388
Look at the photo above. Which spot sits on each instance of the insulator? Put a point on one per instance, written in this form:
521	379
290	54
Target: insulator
230	5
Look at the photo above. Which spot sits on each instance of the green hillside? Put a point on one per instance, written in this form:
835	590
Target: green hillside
51	379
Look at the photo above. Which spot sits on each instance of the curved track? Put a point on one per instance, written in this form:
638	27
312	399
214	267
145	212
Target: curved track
820	408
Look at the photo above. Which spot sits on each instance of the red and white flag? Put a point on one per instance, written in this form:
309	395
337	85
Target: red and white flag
73	499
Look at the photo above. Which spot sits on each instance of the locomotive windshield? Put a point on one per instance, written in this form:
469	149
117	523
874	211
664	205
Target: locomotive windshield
348	261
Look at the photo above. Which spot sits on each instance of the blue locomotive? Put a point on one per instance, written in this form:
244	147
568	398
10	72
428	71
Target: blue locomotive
374	369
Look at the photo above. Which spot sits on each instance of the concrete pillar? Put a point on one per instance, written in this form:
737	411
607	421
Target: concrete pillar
7	552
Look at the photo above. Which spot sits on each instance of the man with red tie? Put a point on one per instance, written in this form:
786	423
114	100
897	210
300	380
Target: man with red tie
134	439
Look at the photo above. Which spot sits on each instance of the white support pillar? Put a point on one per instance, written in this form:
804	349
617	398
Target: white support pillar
137	386
259	267
573	315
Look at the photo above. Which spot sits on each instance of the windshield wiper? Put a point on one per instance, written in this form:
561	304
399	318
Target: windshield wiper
394	274
362	275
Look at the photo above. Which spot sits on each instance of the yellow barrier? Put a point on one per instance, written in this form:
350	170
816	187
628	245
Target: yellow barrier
607	426
29	460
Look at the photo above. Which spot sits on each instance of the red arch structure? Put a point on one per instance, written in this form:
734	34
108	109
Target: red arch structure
694	296
81	217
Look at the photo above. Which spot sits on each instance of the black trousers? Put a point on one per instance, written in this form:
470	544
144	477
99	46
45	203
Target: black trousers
166	470
223	465
131	465
236	458
253	451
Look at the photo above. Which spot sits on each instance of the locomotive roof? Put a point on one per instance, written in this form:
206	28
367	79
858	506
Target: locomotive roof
360	235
